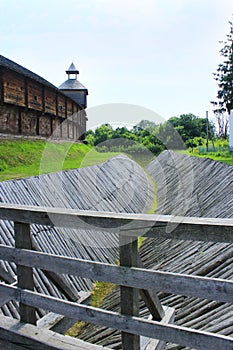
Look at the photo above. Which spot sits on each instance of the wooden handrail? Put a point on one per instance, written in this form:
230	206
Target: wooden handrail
177	227
181	284
130	277
134	325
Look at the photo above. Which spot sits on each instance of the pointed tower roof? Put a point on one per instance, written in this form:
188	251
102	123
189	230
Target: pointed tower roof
72	83
73	88
72	69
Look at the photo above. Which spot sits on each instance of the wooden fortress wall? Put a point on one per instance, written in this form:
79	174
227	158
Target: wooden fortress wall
28	107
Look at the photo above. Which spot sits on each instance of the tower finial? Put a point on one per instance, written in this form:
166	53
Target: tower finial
72	71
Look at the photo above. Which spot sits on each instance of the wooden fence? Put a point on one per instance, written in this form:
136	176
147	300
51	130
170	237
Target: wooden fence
130	274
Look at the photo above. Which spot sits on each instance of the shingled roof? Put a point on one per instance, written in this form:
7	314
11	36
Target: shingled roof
6	63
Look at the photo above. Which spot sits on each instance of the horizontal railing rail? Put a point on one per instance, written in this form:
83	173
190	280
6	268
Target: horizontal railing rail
130	277
148	225
174	283
134	325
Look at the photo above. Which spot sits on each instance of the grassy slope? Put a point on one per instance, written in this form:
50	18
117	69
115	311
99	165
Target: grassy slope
22	158
221	156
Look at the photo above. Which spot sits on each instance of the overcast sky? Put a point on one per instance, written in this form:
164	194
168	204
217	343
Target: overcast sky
158	54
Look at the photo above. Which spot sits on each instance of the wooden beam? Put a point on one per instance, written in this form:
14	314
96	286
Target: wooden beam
156	344
25	274
26	93
19	336
43	99
185	228
1	86
168	282
59	323
5	276
151	299
129	297
152	329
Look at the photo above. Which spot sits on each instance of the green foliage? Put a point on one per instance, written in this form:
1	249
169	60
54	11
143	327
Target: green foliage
187	130
224	76
142	138
190	127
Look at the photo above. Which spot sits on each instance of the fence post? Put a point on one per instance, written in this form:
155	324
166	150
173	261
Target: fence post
129	296
25	274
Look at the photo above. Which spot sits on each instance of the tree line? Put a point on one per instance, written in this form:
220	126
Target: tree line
181	132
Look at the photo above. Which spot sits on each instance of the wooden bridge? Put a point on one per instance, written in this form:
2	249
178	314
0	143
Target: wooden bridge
129	274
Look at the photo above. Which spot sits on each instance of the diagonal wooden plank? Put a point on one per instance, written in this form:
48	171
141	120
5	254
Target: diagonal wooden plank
151	299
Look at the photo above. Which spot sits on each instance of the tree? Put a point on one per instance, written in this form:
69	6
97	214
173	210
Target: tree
190	126
103	133
224	77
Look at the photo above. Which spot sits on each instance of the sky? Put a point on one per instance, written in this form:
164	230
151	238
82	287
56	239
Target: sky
159	55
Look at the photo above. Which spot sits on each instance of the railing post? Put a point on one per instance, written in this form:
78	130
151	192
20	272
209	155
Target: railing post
129	296
25	274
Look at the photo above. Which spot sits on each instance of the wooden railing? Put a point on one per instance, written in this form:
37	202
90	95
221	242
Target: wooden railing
128	275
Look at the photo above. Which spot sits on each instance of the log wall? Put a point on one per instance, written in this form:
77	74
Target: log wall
28	107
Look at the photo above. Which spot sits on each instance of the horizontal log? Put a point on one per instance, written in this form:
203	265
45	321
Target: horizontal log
176	227
196	286
153	329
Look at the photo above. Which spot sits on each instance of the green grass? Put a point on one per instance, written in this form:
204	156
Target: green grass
23	158
219	156
98	293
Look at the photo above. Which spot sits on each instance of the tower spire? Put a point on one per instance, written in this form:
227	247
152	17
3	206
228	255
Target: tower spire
72	72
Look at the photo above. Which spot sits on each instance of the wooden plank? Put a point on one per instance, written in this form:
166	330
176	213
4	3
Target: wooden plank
1	86
156	344
153	329
5	276
20	336
151	299
189	228
129	297
196	286
24	273
6	345
59	323
153	303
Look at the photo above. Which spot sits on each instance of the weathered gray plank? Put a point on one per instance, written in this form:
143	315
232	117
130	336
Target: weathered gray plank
4	298
129	297
151	299
179	335
155	344
18	336
59	323
196	286
177	227
24	273
5	276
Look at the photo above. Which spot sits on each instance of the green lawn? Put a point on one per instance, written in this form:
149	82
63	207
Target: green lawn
23	158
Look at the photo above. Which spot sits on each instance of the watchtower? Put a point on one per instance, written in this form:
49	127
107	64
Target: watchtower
73	88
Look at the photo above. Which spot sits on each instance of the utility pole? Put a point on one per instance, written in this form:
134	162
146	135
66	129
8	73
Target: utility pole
207	132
